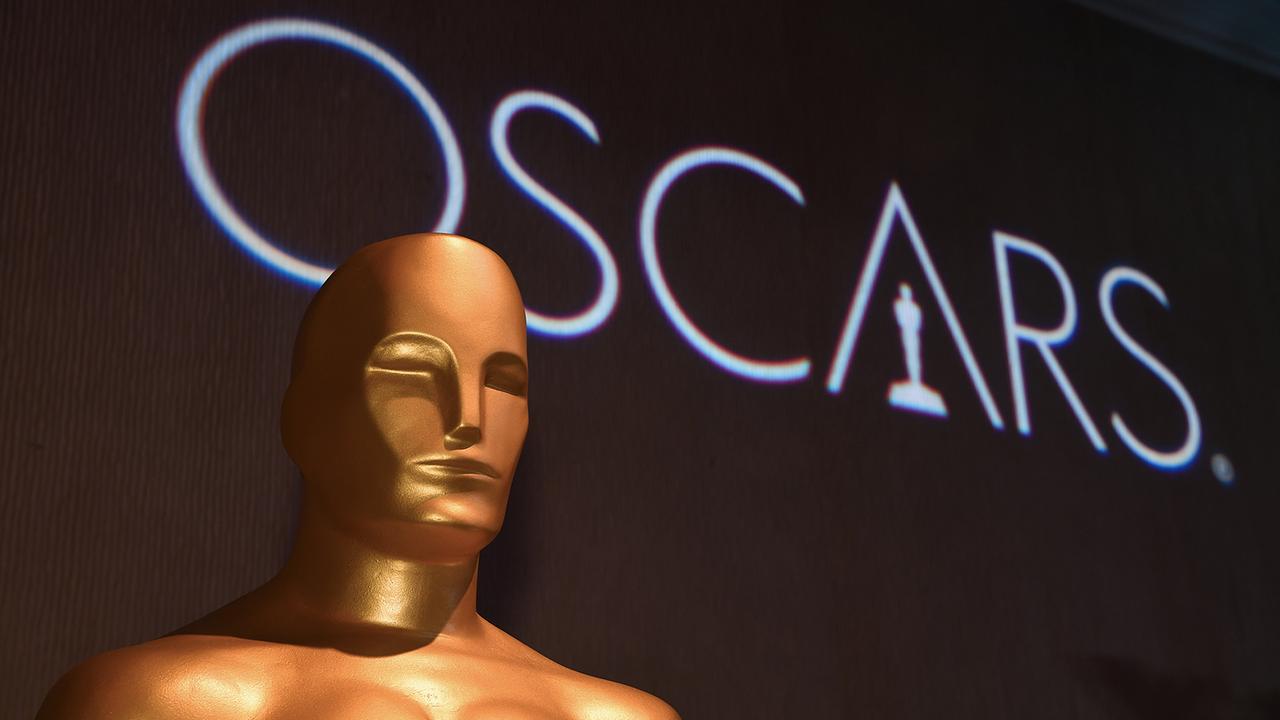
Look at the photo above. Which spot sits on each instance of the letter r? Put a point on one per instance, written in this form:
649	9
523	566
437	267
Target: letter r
1043	339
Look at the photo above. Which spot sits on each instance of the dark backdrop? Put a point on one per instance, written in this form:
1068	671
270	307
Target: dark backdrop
743	550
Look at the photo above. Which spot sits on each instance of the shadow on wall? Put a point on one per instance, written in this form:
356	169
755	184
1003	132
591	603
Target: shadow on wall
1145	693
504	576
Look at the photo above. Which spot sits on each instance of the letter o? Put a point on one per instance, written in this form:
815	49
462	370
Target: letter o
195	88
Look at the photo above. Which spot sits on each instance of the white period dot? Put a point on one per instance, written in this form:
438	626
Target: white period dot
1222	468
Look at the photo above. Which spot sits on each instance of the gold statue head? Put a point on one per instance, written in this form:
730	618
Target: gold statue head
406	413
407	407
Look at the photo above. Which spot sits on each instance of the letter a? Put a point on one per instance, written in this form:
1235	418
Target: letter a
895	206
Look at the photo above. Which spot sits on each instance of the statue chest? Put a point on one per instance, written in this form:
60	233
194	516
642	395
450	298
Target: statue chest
459	693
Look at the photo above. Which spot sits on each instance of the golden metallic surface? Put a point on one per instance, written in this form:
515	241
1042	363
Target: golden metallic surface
406	413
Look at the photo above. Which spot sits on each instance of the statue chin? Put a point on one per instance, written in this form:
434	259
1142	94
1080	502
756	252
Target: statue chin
411	356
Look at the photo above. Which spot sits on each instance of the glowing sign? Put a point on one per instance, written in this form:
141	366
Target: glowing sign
762	370
1191	445
1042	339
591	318
195	89
911	394
895	206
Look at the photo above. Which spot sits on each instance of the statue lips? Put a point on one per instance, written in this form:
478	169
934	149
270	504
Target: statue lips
457	467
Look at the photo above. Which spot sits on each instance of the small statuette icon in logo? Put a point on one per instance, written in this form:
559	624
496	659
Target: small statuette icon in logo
912	393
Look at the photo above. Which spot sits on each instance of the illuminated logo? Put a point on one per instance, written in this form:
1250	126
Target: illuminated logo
191	133
911	394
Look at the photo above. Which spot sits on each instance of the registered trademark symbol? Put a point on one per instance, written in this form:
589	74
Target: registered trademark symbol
1222	468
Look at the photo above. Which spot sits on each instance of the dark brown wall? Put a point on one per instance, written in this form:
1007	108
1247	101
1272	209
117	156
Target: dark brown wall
742	550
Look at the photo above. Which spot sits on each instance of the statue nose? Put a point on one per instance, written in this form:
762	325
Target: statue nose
462	437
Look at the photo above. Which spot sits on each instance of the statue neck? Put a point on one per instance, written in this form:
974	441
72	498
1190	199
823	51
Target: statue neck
335	579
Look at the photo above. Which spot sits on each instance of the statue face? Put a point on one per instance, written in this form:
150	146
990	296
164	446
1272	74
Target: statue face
412	440
453	416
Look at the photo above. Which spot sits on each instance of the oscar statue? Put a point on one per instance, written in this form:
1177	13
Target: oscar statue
406	413
912	393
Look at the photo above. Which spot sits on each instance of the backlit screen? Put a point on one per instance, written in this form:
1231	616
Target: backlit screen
901	361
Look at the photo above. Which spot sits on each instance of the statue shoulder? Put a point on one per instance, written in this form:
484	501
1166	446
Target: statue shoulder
608	700
584	696
183	676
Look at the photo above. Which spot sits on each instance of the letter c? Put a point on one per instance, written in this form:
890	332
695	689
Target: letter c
780	371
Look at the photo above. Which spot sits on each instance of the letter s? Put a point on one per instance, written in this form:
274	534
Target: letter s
1191	445
595	315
